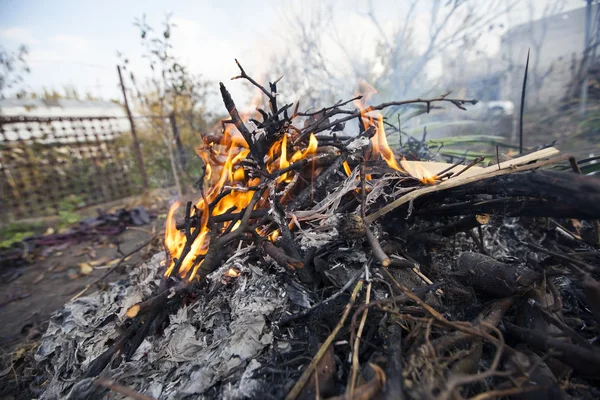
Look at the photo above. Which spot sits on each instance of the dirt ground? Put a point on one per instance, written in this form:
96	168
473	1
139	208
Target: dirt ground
45	285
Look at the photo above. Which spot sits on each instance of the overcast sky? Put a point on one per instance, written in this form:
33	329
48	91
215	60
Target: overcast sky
75	42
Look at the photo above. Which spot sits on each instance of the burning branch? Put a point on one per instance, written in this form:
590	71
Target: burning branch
277	188
255	147
317	127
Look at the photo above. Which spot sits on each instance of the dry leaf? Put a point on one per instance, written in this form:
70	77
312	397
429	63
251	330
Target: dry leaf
101	261
117	260
85	268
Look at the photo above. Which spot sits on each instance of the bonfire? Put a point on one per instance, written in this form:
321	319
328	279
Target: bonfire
318	265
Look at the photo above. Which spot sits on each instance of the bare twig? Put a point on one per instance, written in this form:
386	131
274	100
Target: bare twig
271	96
378	252
325	109
459	380
113	269
293	394
471	164
315	128
356	344
574	165
125	391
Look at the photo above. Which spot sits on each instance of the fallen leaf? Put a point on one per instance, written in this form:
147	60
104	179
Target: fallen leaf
85	268
101	261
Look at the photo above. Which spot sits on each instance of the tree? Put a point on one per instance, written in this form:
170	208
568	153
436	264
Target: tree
13	66
170	89
319	63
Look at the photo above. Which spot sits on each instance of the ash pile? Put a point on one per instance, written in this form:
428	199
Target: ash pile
317	265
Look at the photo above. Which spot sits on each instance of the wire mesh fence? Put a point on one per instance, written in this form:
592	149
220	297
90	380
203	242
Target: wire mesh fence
44	161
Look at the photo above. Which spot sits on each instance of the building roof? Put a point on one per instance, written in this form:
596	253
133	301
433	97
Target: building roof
60	108
61	131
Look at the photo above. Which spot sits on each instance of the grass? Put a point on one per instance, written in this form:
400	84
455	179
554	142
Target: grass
15	232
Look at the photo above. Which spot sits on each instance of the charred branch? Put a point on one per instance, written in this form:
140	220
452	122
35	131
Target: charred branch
191	228
305	196
462	225
270	94
317	127
393	344
258	153
494	278
582	359
576	191
378	252
506	206
281	257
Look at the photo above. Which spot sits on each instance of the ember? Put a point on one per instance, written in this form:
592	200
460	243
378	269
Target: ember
315	266
232	273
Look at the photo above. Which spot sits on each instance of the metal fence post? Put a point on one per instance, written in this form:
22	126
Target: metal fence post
136	143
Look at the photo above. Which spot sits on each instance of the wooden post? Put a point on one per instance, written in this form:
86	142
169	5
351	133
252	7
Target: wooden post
169	143
180	151
136	143
586	59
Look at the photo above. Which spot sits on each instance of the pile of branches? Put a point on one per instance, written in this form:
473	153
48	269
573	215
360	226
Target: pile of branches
472	282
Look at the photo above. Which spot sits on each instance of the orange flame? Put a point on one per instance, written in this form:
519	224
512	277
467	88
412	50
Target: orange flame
379	140
274	235
380	145
313	144
420	172
223	168
347	169
175	240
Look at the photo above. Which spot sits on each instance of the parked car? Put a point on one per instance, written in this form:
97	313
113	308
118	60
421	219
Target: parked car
491	110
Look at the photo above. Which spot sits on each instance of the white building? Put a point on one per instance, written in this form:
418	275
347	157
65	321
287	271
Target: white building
64	132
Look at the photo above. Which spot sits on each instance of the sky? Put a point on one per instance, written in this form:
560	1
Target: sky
75	43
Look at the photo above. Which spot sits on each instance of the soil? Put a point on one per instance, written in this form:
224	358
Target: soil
44	286
49	283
